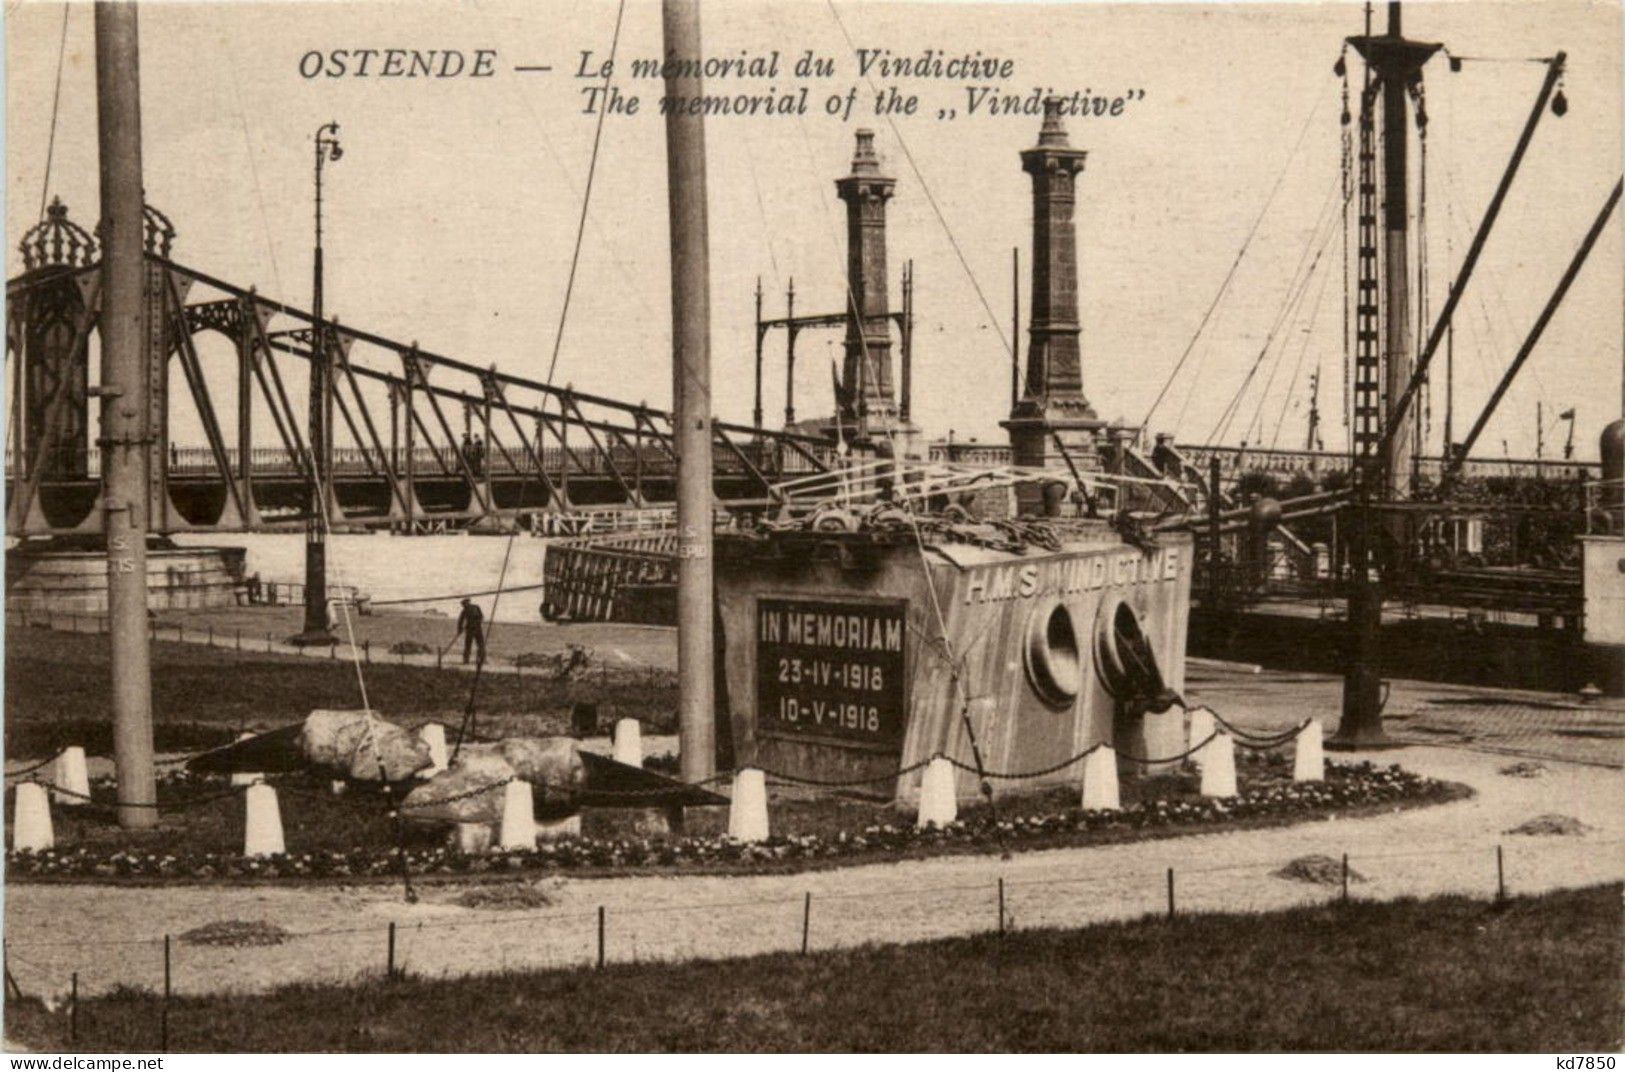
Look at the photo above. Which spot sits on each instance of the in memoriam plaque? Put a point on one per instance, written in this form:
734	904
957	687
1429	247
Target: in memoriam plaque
831	670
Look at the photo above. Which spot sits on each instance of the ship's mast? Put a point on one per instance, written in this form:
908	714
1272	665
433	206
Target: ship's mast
1394	65
691	394
125	410
1381	388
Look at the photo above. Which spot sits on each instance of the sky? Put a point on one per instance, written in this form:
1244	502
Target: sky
451	218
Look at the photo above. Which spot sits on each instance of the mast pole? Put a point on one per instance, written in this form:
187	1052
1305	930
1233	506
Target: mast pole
125	426
691	393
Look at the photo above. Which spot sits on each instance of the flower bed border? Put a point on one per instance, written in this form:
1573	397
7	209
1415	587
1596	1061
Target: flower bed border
1350	790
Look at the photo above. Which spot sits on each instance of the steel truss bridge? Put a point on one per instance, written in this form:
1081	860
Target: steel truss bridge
399	419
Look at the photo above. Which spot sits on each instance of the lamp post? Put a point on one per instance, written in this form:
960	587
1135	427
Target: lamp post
321	448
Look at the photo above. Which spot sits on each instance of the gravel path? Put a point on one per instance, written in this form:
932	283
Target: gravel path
112	936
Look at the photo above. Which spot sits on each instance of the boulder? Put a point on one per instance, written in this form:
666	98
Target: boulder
360	745
470	791
551	765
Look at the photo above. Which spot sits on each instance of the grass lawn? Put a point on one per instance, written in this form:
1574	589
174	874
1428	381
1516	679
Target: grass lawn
58	692
1539	974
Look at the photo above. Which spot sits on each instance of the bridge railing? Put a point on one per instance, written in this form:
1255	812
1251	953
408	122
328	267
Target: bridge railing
652	462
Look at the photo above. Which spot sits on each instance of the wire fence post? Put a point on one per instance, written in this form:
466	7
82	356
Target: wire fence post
1500	876
1345	878
73	1009
600	936
333	650
806	921
163	1012
439	659
1001	904
1170	895
239	640
389	967
366	651
211	636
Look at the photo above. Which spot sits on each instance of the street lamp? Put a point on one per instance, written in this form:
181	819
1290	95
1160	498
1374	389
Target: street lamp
316	631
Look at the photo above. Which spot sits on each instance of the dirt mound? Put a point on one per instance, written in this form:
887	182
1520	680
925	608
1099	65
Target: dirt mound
410	647
1524	769
1318	869
236	933
1551	824
507	897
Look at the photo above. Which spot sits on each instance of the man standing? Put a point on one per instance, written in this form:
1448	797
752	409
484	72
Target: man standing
471	627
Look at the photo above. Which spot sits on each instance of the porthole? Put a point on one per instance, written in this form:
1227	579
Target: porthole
1054	663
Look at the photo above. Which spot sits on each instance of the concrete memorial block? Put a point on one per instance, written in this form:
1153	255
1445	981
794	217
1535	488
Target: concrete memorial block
628	743
1309	757
939	802
747	815
518	817
1201	728
1100	790
72	777
262	832
31	826
1219	767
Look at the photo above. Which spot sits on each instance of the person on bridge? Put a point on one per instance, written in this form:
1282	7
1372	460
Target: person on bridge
471	627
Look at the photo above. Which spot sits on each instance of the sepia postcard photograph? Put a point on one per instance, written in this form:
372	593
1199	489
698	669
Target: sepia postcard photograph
808	526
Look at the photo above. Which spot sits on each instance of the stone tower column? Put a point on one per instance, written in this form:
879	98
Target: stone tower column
1052	404
869	399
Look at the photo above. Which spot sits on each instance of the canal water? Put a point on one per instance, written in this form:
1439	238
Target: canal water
384	567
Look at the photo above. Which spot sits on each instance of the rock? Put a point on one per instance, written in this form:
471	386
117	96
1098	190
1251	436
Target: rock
362	746
469	792
1318	869
1551	824
550	764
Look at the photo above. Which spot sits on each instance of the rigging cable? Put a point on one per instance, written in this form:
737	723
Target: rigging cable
1297	369
1230	275
56	98
993	318
1347	163
564	312
1295	288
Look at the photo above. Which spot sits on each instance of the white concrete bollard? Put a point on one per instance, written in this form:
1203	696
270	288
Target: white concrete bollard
242	778
71	775
1100	780
518	817
1309	757
1201	728
559	829
1162	736
31	826
433	735
939	801
471	838
1219	767
262	833
747	815
628	742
